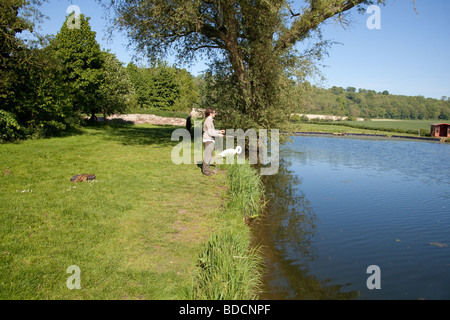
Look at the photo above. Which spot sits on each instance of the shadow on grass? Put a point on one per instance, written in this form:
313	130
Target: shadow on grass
129	134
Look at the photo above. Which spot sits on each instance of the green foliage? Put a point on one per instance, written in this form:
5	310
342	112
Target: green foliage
166	90
131	230
81	58
246	191
399	126
13	63
31	90
410	127
44	91
163	88
116	93
229	267
370	104
188	91
142	81
251	45
229	270
8	126
39	101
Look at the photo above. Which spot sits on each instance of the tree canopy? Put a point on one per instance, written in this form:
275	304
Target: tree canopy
250	42
31	99
367	103
45	90
82	61
163	87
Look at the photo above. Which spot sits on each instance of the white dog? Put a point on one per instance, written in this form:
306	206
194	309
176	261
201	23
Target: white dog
229	152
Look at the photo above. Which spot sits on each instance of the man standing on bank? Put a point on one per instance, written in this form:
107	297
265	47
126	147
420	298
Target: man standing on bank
209	134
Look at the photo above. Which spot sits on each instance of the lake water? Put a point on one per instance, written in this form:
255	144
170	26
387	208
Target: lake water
339	205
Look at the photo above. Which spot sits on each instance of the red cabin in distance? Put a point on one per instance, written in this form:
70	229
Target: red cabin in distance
440	130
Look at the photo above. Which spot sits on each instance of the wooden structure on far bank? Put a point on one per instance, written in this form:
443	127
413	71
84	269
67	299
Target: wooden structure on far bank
440	130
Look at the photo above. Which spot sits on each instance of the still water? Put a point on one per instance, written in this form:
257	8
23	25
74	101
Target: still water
340	205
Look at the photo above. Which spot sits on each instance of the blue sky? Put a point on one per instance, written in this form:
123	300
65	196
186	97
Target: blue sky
409	55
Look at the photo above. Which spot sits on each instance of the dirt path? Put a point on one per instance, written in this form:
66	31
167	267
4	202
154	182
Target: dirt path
148	118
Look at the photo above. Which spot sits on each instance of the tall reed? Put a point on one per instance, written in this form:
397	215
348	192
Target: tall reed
229	268
246	191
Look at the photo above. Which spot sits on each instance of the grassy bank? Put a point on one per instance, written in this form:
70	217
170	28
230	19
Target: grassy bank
396	127
403	128
229	268
136	232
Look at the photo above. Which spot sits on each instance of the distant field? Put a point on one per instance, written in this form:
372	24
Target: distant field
413	125
387	127
335	128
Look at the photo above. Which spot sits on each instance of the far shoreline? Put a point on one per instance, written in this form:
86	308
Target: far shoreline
349	134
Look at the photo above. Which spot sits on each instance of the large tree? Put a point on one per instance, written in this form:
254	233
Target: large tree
33	101
116	91
252	42
163	87
82	62
155	87
14	52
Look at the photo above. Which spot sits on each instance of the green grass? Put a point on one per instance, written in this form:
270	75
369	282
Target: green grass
388	128
401	126
230	270
135	231
246	191
229	267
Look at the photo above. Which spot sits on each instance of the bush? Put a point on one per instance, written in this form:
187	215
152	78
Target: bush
297	118
9	127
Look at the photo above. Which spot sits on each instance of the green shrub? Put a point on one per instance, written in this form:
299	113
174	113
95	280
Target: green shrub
9	127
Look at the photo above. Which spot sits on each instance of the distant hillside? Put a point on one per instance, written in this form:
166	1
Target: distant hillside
370	104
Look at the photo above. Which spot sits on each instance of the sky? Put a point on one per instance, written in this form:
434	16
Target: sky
408	55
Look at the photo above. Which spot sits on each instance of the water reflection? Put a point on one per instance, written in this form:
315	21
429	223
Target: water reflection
287	230
410	159
339	205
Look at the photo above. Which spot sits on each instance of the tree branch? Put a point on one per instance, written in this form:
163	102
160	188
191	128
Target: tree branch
292	13
206	46
318	12
415	9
